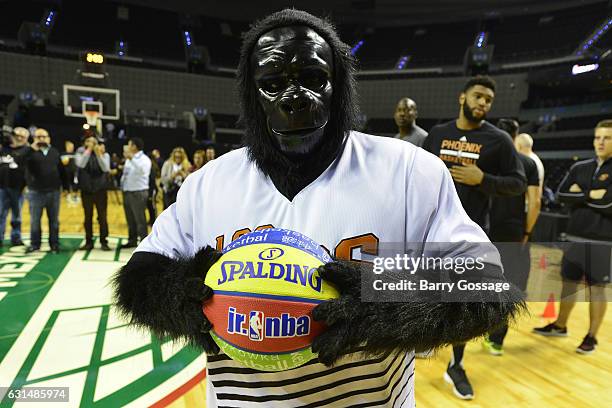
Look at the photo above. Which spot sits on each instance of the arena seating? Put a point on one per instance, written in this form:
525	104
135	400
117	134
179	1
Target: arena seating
544	35
541	36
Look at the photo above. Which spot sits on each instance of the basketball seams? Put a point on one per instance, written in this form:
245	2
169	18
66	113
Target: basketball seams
279	236
268	296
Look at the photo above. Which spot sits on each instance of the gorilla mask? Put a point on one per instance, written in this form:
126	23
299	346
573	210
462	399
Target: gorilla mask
297	97
293	68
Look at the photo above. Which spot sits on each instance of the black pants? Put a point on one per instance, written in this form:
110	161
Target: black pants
170	198
516	259
152	205
100	200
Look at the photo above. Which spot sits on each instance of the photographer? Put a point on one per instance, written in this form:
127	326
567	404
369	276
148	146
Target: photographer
94	165
45	176
12	182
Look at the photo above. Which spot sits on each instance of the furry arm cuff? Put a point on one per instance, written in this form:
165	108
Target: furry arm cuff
165	295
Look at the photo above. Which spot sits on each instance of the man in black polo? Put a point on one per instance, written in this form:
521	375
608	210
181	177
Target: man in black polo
483	163
44	177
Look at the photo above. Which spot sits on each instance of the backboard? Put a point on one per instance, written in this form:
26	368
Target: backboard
78	99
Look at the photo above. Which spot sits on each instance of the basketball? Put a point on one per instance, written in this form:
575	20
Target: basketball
265	287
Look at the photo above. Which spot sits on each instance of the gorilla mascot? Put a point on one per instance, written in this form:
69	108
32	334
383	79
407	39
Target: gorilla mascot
304	169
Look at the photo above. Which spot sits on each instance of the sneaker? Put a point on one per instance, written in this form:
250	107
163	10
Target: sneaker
105	246
17	243
588	345
551	330
455	375
492	347
54	250
128	245
87	247
31	249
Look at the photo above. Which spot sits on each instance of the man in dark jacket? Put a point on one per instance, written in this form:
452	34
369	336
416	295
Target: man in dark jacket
587	189
93	166
12	182
44	178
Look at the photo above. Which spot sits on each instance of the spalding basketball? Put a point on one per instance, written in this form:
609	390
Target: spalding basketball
265	287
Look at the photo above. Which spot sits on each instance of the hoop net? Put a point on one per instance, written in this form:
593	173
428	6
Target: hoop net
92	118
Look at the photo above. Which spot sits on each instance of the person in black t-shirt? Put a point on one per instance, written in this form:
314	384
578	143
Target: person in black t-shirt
12	182
483	163
512	220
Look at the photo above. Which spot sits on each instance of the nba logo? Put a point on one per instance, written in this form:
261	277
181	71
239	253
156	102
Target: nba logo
256	321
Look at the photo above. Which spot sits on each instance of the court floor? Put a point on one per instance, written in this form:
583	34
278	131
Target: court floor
59	328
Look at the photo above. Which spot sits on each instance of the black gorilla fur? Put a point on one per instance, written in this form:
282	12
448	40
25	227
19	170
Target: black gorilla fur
416	324
291	174
166	295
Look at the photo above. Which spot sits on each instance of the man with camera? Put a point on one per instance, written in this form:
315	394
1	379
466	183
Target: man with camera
93	167
12	182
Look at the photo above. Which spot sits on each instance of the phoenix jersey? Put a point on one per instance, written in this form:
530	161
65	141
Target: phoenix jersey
378	190
489	148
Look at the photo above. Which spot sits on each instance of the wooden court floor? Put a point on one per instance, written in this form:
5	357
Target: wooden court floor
534	371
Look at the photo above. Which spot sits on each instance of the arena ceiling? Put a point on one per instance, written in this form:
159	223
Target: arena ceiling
371	12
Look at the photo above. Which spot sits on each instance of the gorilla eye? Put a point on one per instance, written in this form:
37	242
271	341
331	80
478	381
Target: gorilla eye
272	85
313	79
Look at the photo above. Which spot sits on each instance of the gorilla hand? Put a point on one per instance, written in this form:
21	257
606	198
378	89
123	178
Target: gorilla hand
417	323
165	295
340	314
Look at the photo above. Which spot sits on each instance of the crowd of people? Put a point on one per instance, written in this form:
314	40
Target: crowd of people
500	181
30	167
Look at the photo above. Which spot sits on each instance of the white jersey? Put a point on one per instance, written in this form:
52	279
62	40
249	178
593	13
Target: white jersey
379	190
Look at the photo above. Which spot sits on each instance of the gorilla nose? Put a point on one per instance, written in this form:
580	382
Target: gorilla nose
294	105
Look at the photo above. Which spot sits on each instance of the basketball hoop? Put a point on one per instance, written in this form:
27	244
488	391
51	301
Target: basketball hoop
92	117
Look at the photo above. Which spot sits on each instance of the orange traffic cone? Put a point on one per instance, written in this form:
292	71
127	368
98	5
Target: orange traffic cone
543	262
549	310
